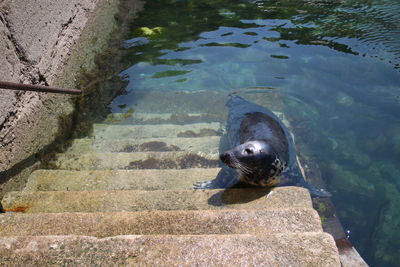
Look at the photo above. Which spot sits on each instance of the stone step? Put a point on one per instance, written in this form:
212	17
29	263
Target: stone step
107	131
131	117
200	222
64	180
204	101
209	144
275	249
174	101
136	160
138	200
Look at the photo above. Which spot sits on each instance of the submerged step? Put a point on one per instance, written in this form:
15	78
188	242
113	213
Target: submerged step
209	144
64	180
204	101
138	200
162	222
283	249
107	131
131	117
179	101
137	160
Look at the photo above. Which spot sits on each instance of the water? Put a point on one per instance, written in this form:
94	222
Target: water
336	67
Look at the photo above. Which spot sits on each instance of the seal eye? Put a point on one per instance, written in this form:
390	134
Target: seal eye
248	151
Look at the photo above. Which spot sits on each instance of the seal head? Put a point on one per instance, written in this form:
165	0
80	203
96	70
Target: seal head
257	163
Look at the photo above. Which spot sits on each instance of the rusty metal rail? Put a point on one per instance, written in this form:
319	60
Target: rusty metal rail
37	88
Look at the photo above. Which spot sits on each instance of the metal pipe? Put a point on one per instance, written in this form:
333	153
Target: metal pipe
37	88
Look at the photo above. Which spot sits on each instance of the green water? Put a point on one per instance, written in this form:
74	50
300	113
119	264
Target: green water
336	65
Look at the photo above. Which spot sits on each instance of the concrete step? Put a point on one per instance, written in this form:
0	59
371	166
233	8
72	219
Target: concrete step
199	222
107	131
281	249
131	117
136	160
64	180
205	101
174	101
209	144
138	200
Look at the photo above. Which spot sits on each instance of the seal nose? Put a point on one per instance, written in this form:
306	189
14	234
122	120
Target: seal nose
224	157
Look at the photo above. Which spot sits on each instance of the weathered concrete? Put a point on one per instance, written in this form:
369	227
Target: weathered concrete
136	200
39	44
208	144
285	249
105	131
36	45
137	160
131	117
205	101
349	256
45	31
10	70
61	180
162	222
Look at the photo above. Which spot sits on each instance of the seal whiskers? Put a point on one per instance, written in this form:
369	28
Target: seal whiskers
241	166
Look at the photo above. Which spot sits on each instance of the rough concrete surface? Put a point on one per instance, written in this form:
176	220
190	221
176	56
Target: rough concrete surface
10	70
150	179
105	131
138	200
208	144
284	249
162	222
45	31
38	42
138	160
40	35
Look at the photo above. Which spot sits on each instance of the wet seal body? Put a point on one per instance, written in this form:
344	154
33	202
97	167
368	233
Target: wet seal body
262	150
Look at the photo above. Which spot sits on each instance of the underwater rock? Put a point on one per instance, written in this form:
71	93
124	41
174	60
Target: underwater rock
344	99
347	180
361	159
386	238
388	171
353	155
375	143
333	142
373	173
395	140
346	148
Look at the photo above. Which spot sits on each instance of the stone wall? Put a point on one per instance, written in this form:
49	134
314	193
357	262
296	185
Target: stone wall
45	42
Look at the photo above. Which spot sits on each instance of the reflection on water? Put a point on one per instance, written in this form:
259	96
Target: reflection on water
336	65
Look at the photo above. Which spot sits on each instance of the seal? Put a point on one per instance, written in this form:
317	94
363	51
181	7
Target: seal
262	150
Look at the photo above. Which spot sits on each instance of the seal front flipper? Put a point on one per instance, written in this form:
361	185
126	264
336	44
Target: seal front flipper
226	178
